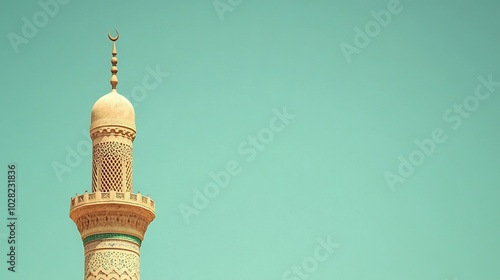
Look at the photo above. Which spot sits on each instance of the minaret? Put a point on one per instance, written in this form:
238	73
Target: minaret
111	219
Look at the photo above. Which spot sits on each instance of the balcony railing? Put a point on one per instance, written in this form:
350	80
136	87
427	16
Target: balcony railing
112	196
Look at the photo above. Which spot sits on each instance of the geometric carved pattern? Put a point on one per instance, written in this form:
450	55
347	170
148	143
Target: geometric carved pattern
113	130
124	219
112	167
112	264
111	275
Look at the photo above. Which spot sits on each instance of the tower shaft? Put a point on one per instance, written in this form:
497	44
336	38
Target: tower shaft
111	219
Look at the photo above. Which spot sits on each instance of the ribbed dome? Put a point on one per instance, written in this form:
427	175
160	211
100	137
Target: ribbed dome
113	109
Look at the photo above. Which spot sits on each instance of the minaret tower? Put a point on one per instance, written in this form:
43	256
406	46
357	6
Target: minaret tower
111	219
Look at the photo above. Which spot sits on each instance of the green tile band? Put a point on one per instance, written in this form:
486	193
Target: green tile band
112	236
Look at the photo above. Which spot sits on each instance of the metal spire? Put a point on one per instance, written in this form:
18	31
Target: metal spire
114	61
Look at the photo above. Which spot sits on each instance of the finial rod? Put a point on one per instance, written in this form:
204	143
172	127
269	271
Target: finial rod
114	61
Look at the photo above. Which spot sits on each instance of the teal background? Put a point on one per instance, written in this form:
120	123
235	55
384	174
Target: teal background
321	176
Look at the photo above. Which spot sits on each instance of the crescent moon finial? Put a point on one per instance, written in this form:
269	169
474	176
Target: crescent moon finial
114	38
114	61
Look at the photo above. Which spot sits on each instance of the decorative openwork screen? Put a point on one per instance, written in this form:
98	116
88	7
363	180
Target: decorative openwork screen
112	167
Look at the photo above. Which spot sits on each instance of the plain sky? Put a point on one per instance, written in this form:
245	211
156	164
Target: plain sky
390	148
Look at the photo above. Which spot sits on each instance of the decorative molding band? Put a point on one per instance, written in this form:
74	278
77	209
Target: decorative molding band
113	130
112	122
126	222
111	244
120	236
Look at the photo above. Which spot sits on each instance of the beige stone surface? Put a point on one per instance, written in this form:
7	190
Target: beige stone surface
113	109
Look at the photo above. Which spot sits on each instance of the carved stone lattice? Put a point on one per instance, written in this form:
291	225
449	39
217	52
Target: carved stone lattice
112	167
